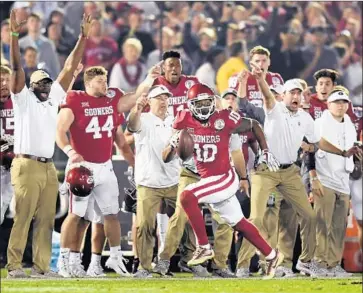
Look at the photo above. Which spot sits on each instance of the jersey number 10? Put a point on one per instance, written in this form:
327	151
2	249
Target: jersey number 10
94	127
207	153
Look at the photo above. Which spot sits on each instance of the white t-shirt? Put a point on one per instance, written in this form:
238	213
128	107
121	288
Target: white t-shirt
150	141
285	131
36	121
333	170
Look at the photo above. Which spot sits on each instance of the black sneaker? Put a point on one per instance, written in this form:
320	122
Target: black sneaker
129	203
135	265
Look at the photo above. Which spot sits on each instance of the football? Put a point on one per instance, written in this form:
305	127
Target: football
185	147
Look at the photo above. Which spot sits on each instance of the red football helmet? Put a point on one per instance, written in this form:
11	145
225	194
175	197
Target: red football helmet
198	93
80	180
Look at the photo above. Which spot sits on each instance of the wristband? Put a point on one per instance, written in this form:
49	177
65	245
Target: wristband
14	34
344	153
243	178
67	149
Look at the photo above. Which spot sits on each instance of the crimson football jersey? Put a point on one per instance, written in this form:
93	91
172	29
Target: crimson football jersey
95	120
211	142
317	107
359	127
7	117
253	92
178	101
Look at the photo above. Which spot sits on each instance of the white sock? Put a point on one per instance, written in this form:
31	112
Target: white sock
272	255
74	257
115	251
96	259
162	221
207	246
64	252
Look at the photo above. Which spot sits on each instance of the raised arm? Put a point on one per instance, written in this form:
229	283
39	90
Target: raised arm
246	106
129	100
18	75
66	76
134	123
268	97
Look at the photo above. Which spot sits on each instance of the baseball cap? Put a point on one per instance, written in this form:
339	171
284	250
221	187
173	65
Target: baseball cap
39	75
337	96
292	84
278	88
157	91
229	91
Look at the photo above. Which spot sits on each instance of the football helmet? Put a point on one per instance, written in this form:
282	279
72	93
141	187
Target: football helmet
7	150
198	93
80	180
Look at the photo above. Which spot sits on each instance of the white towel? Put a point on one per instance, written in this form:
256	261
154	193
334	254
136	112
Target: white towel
330	133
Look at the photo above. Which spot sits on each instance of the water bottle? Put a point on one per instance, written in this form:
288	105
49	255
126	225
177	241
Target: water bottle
55	251
271	200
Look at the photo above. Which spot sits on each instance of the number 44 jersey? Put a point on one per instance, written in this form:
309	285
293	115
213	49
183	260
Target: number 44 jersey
94	125
211	140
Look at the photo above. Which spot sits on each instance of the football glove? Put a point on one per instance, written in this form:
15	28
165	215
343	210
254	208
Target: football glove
174	140
269	160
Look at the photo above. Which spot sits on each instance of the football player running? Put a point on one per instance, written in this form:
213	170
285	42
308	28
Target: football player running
211	131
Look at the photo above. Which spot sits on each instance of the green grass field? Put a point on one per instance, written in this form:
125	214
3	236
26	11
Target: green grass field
182	283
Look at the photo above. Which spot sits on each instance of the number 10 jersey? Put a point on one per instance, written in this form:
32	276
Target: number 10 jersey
211	140
94	125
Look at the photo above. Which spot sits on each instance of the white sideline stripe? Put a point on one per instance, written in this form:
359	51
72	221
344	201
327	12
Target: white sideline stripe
213	187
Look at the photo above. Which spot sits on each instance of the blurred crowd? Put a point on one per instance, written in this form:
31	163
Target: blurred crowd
214	38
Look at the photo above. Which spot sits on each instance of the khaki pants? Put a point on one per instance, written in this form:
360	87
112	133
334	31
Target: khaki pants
281	224
179	221
35	193
291	187
332	213
148	204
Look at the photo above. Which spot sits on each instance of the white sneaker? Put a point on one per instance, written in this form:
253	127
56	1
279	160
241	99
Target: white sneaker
63	267
117	264
76	269
311	269
95	270
17	274
338	271
284	272
243	273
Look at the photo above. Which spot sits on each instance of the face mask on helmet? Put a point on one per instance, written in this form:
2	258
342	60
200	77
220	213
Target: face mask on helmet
80	180
202	108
